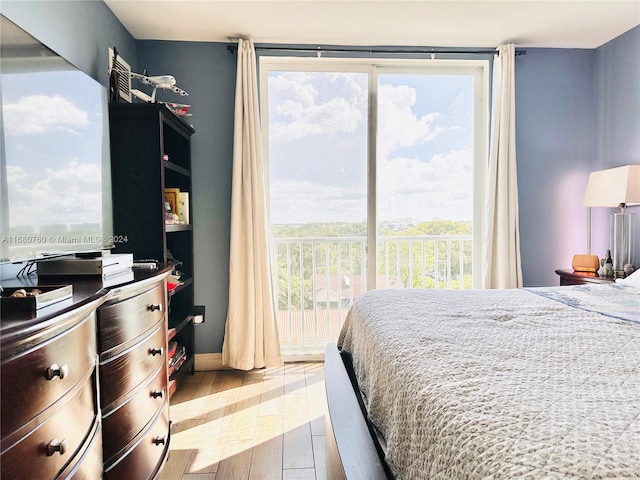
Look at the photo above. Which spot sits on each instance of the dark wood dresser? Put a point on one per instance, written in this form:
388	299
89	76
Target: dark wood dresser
84	381
132	339
51	426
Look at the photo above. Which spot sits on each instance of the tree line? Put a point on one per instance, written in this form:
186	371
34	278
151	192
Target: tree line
404	263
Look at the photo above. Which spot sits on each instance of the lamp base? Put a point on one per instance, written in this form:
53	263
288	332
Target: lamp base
622	241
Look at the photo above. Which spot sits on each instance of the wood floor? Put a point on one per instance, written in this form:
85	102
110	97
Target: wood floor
264	424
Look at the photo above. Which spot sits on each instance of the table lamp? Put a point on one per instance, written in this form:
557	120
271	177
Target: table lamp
616	187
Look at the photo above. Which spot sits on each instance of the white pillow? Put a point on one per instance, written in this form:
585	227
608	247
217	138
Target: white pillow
632	280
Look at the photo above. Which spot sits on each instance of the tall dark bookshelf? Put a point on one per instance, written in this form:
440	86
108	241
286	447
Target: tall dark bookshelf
151	151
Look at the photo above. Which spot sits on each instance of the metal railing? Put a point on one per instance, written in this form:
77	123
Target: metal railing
317	279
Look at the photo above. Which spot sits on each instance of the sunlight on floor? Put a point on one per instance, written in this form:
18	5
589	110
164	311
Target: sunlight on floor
264	424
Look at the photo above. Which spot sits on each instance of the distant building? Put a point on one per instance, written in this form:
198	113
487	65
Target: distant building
342	290
399	224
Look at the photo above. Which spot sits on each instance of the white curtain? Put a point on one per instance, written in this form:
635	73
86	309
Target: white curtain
251	334
502	265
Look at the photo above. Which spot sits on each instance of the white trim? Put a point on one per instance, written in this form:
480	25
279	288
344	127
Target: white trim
372	182
209	361
481	160
318	357
213	361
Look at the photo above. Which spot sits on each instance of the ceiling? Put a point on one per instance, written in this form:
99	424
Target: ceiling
444	23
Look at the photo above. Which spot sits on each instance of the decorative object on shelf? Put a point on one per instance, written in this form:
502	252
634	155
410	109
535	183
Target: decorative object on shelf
607	265
21	299
163	82
585	263
184	207
616	187
173	197
180	109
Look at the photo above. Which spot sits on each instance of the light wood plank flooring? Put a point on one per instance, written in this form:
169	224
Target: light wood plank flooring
265	424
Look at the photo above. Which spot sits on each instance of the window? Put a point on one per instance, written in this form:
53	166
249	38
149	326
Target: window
375	181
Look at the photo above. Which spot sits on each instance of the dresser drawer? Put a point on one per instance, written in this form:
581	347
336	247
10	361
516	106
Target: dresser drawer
34	379
88	462
123	321
45	450
147	455
120	375
128	420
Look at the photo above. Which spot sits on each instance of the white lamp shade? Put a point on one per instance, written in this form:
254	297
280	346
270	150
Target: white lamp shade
611	187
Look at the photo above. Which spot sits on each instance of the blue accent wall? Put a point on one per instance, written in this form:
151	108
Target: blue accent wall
576	111
617	101
554	140
207	71
617	121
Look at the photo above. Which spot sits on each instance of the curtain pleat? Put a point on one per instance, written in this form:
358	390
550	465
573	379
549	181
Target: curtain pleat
502	264
251	334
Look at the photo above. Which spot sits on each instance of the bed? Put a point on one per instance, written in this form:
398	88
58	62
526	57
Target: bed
524	383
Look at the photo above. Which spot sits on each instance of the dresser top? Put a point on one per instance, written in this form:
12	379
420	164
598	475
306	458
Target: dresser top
88	291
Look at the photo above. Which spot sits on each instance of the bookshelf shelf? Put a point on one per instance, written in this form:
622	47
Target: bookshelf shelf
142	136
178	227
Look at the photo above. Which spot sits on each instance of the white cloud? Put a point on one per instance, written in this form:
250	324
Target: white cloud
42	113
299	108
412	180
317	203
398	125
407	187
15	174
70	195
439	188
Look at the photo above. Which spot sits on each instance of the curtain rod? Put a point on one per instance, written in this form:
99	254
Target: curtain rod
424	51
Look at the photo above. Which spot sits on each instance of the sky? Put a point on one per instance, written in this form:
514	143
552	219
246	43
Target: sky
317	147
317	127
53	127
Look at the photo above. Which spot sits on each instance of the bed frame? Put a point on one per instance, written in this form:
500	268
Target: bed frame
353	451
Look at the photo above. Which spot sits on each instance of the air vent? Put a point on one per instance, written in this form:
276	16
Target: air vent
122	74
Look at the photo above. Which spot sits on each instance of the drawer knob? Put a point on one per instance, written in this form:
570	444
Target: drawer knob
56	446
152	307
55	371
157	394
155	351
159	441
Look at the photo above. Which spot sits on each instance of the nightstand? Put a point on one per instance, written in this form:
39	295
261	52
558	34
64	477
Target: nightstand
569	277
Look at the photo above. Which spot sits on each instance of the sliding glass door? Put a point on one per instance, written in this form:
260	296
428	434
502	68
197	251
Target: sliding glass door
425	178
375	174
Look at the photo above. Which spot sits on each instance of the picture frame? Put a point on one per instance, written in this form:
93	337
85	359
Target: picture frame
184	207
172	195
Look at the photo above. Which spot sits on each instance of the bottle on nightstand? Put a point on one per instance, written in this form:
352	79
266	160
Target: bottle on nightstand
607	266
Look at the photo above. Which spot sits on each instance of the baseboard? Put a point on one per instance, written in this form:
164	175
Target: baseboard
209	361
213	361
303	358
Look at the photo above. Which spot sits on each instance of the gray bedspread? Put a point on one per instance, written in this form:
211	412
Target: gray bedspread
501	384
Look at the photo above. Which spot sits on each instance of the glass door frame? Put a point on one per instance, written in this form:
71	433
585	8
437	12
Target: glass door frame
479	69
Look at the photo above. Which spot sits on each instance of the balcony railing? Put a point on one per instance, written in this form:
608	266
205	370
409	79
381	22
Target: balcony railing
317	279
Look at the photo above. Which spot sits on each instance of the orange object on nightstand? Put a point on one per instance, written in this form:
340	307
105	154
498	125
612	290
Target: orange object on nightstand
585	263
